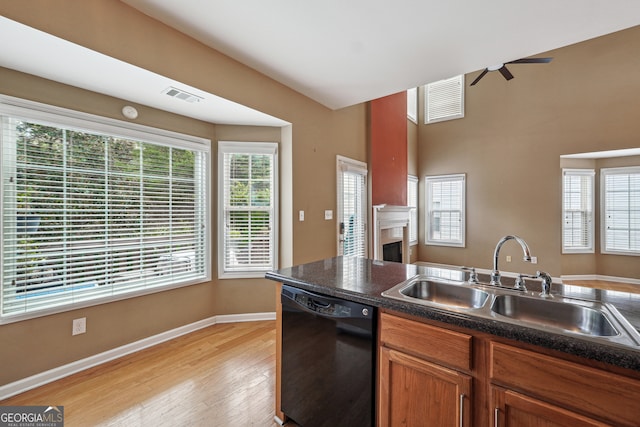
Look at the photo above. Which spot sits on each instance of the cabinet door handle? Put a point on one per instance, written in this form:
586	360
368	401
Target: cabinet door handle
462	410
496	413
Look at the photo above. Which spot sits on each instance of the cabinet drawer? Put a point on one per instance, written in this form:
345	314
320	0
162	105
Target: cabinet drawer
589	390
444	346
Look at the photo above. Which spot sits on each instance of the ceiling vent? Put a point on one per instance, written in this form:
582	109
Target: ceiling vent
181	94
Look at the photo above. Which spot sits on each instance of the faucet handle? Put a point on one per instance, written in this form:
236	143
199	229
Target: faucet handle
546	284
520	284
473	276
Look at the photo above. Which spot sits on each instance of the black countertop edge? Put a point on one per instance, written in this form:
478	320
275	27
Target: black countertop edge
369	292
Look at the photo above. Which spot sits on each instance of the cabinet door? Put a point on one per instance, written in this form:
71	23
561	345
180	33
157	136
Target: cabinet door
517	410
414	392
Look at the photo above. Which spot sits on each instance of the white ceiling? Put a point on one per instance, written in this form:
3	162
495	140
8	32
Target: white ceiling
343	52
337	52
35	52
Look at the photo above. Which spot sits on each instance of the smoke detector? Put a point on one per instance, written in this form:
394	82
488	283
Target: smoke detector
181	94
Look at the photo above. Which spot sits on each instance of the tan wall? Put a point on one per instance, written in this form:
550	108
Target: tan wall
319	134
509	143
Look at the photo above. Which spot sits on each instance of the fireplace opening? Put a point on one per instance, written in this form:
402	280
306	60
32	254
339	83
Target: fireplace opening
392	252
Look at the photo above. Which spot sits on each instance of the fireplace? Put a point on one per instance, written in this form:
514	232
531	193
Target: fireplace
391	233
392	251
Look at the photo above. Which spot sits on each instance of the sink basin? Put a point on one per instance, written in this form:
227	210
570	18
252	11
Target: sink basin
441	293
579	318
569	317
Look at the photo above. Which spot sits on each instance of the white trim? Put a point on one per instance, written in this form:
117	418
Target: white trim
604	173
55	115
444	100
54	374
71	119
412	104
602	278
562	278
346	164
413	222
590	228
247	147
247	317
456	177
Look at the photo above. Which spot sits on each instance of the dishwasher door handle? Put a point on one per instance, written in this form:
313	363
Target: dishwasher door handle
320	303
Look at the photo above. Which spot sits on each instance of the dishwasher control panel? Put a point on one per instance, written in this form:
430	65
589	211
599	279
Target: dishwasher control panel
326	305
323	307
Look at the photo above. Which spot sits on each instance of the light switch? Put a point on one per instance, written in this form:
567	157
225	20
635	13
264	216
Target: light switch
301	215
328	214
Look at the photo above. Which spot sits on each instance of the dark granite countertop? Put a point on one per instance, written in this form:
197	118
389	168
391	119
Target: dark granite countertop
363	280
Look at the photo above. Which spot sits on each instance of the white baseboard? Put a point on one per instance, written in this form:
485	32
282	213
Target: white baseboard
248	317
54	374
601	277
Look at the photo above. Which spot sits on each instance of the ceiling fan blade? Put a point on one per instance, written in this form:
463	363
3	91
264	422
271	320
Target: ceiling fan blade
505	73
531	61
485	71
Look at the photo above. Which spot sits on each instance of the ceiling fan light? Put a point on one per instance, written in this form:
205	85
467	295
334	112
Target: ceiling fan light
495	67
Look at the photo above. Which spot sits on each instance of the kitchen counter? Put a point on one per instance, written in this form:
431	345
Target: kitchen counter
363	280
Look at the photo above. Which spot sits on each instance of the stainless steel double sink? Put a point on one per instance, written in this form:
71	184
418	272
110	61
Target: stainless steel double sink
593	320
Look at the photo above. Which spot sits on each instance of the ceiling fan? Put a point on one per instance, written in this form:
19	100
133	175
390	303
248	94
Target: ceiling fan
505	72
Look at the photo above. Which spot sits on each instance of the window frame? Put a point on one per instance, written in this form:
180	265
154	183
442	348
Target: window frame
604	173
458	243
589	229
413	212
412	104
243	147
356	167
452	91
71	120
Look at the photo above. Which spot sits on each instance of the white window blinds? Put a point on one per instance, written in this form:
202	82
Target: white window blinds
90	215
444	100
577	210
248	172
412	202
445	210
352	205
621	210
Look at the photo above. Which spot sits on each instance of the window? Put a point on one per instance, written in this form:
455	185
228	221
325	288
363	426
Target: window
352	207
577	210
247	211
444	100
412	104
412	202
445	210
621	210
96	209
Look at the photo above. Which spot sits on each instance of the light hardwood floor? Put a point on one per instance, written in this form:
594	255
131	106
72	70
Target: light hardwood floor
222	375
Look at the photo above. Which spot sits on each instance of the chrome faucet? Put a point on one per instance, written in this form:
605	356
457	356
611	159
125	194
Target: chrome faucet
495	274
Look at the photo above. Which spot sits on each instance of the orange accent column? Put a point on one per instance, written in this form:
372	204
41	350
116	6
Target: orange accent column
388	144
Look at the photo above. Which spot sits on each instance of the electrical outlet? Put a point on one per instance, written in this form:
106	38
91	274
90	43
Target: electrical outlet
508	258
328	214
79	326
534	260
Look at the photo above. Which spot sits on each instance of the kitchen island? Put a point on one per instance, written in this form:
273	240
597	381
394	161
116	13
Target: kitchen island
488	345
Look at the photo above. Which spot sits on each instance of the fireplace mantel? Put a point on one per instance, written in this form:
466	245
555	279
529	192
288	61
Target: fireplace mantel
391	224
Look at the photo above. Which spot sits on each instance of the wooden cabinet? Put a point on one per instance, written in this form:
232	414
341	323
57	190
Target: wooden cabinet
435	376
512	409
415	387
414	392
594	393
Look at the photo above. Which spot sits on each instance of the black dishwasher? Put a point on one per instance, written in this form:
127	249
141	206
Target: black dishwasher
327	360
